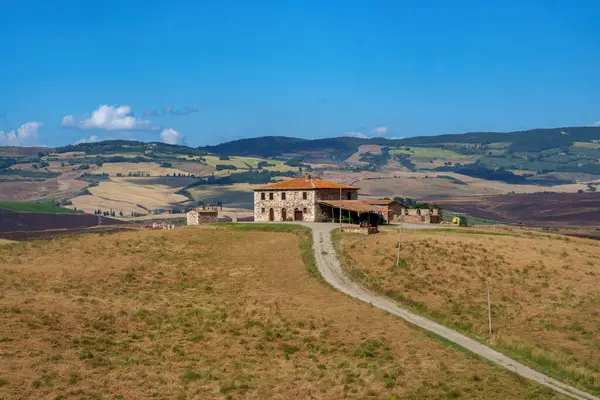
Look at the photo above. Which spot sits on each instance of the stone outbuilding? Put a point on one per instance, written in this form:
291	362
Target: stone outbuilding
196	217
392	210
423	216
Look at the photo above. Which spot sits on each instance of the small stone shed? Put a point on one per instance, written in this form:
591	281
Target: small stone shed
391	210
196	217
423	216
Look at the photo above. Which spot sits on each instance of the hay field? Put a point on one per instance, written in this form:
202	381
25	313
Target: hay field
211	313
65	185
124	168
365	148
545	290
123	194
238	195
247	163
429	185
432	157
587	145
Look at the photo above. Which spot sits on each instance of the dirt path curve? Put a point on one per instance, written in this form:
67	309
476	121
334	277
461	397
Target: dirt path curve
329	267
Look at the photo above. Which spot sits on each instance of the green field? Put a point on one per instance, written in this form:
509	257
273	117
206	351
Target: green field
449	215
35	207
428	152
586	145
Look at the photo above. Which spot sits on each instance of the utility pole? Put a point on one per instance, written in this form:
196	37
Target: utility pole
489	308
399	242
340	206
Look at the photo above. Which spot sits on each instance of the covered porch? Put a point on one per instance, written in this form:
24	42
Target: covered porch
351	211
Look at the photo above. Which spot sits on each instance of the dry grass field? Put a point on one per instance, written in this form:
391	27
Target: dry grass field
365	148
65	185
545	290
211	312
238	195
124	168
429	185
129	194
431	157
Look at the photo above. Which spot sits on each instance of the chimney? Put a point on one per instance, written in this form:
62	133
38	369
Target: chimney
308	176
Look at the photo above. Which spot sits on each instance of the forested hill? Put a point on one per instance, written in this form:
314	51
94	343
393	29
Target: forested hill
271	146
535	140
529	141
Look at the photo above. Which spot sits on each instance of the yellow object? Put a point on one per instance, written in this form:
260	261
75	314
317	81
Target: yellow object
460	220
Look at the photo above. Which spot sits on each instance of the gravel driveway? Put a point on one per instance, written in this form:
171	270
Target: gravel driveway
329	267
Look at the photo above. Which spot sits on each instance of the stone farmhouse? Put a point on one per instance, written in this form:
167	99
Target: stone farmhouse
317	200
299	199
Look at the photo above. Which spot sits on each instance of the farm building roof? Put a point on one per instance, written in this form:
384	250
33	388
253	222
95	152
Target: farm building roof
359	206
382	202
306	183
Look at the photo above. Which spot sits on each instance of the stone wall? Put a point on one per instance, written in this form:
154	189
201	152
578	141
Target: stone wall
334	194
423	216
395	211
294	200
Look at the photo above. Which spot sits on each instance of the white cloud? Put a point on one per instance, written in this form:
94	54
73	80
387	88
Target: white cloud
597	123
109	118
380	130
25	135
171	136
359	135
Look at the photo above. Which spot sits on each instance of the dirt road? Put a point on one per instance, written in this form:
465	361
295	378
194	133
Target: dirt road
330	269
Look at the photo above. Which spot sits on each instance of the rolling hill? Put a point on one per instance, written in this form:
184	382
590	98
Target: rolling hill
137	178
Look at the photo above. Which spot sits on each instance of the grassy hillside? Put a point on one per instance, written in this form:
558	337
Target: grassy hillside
173	315
35	207
545	290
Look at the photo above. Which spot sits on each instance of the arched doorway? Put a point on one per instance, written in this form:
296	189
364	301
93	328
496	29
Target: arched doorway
283	214
298	215
271	215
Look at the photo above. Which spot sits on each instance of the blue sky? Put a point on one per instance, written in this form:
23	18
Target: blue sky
206	72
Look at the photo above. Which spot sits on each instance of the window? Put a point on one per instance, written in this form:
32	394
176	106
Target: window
271	196
304	210
262	211
349	196
262	197
283	196
304	195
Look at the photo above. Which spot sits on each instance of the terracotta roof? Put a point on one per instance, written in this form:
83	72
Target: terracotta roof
380	202
306	183
352	205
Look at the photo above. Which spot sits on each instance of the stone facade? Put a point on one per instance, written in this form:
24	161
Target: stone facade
295	202
423	216
196	217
